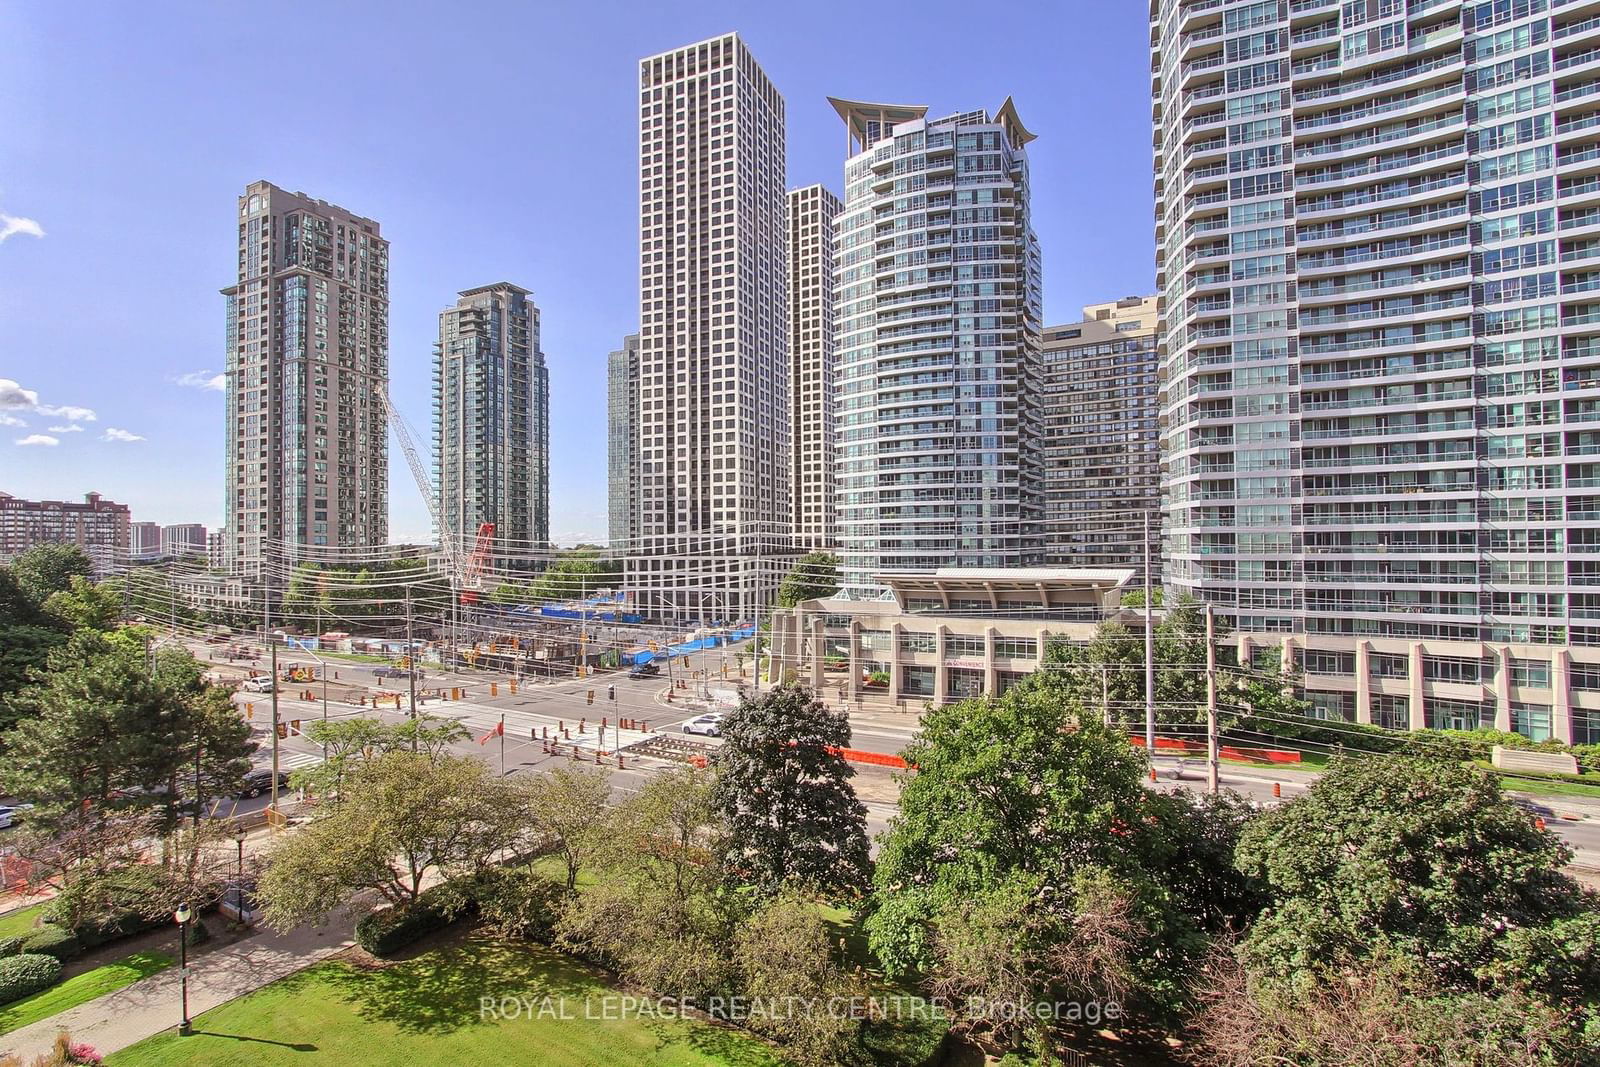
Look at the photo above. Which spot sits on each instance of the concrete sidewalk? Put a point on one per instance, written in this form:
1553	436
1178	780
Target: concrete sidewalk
147	1007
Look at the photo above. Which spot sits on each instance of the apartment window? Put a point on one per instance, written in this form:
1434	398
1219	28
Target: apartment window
1388	665
1531	720
964	645
1451	669
1530	672
1016	647
1334	663
1391	712
1458	715
918	642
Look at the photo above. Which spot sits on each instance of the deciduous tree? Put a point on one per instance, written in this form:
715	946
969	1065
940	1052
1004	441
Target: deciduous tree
402	816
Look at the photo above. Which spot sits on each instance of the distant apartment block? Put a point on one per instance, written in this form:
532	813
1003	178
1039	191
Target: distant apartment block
938	367
98	526
307	352
183	539
1102	459
144	540
622	440
491	395
217	550
812	398
713	437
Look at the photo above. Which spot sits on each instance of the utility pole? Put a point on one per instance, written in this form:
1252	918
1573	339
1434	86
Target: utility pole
273	645
411	669
1105	693
1149	652
1211	704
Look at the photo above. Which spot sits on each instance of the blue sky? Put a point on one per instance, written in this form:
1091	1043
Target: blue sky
492	141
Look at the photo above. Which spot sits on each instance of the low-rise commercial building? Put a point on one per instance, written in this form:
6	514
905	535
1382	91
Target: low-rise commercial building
947	634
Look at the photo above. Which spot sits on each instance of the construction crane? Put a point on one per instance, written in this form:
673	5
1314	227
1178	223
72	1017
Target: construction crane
472	573
459	575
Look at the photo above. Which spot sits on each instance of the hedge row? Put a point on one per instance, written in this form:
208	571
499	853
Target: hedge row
1461	745
388	930
515	900
24	975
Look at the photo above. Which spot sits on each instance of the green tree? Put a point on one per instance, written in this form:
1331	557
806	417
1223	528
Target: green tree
784	796
658	912
351	742
87	605
579	572
402	816
1399	883
570	804
784	955
27	637
1027	835
814	575
101	730
1424	858
45	569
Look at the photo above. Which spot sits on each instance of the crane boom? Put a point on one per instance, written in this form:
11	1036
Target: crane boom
447	543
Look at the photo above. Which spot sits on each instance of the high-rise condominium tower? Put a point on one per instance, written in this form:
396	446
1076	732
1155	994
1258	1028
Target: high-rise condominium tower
1102	457
713	445
938	305
491	397
1379	257
811	393
307	350
622	438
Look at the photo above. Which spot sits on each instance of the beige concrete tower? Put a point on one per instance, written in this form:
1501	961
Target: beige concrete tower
811	395
713	447
307	346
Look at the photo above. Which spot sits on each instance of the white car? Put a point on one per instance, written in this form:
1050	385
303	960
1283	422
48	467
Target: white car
709	725
258	685
10	815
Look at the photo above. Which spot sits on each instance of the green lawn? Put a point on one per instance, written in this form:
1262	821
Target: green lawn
82	988
426	1010
20	923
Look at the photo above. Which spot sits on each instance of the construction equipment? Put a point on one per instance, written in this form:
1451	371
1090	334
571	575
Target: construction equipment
464	575
472	573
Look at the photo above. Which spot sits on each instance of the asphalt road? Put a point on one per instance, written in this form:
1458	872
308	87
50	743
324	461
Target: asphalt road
540	706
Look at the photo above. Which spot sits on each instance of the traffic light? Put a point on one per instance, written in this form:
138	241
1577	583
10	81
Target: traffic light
591	696
611	692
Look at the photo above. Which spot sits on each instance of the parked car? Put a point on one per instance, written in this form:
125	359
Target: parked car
259	781
260	684
396	672
10	816
645	670
708	725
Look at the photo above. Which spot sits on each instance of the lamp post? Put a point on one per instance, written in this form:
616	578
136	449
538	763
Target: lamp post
182	915
238	839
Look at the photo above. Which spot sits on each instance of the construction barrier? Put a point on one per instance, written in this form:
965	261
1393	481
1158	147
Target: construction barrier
1195	748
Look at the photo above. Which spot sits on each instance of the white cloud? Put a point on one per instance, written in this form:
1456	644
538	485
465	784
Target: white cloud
203	379
69	428
67	411
39	439
11	225
11	420
114	434
15	397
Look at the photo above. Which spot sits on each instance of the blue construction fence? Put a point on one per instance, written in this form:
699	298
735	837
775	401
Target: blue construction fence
686	647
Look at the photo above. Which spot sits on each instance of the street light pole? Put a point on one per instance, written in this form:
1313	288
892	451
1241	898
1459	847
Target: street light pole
1149	652
182	915
411	669
274	682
